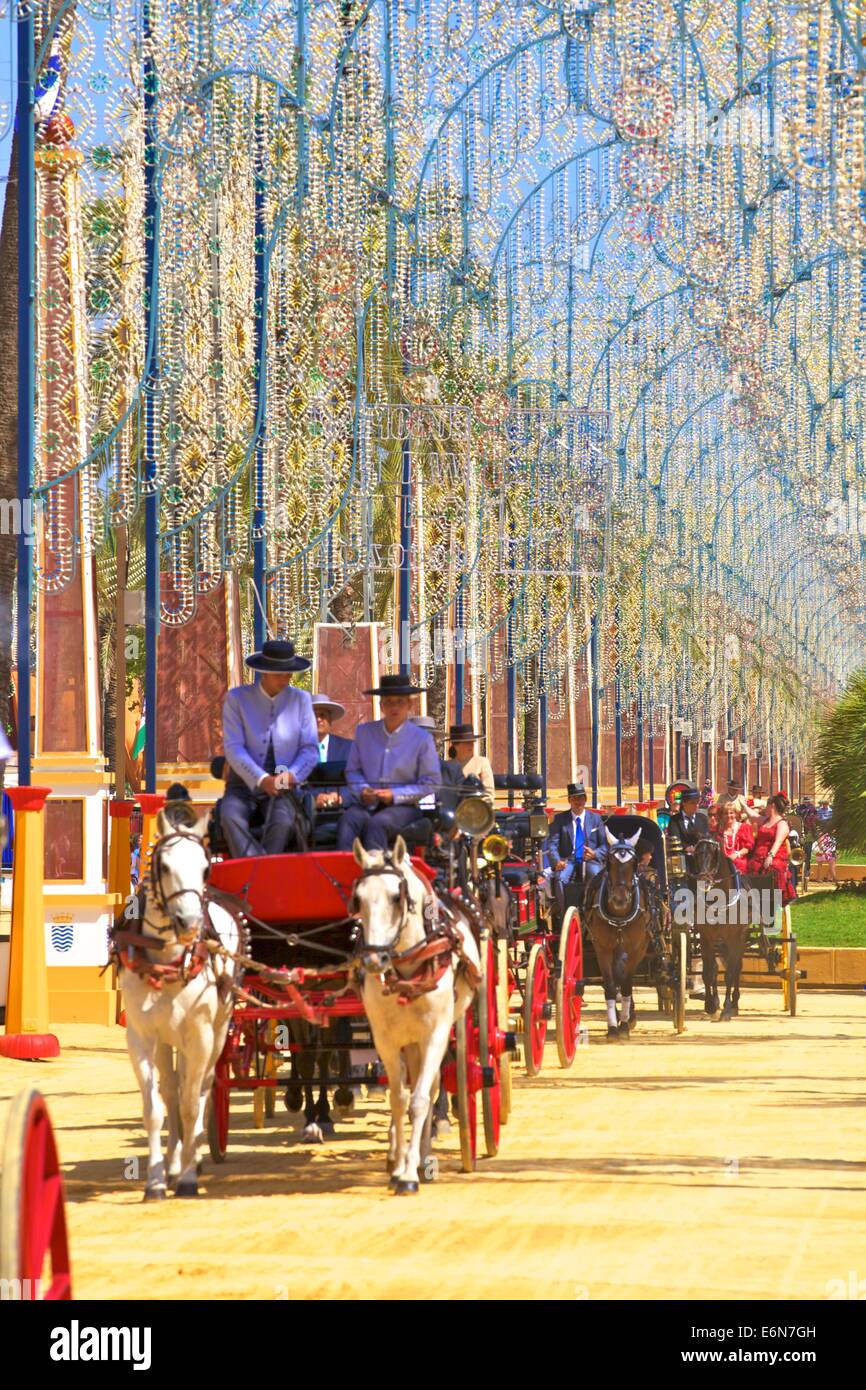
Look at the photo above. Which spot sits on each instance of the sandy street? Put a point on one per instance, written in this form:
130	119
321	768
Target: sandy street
729	1163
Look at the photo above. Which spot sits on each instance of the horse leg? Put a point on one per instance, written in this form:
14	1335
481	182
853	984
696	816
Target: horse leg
294	1096
323	1109
198	1051
605	961
626	1009
398	1095
311	1133
142	1054
170	1076
733	967
425	1072
709	971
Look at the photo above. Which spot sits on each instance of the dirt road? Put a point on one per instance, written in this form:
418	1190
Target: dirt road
728	1163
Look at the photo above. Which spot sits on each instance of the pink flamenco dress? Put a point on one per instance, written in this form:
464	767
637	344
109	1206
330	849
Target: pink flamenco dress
779	868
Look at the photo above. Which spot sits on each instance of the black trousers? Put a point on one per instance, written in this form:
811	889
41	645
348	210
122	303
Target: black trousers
275	818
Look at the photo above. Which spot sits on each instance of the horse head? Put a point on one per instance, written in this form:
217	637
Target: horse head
388	897
179	868
621	869
707	861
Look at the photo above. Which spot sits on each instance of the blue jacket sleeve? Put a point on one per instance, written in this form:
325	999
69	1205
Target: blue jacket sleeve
234	744
307	755
355	779
428	776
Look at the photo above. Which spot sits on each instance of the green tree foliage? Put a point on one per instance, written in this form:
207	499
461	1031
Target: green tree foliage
841	763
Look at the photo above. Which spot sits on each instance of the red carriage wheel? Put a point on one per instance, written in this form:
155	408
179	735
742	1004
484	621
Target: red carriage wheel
489	1048
503	998
569	987
34	1251
466	1036
535	1010
218	1105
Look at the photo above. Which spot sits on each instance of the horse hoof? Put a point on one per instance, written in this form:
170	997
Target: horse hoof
632	1023
624	1031
393	1183
294	1099
154	1194
726	1016
312	1135
327	1128
440	1129
187	1188
714	1015
344	1096
406	1189
613	1035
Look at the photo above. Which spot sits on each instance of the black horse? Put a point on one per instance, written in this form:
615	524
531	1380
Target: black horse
719	913
620	911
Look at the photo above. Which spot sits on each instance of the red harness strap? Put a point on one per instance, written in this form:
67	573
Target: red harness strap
130	947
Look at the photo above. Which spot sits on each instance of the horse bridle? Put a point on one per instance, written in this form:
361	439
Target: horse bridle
378	871
162	899
620	922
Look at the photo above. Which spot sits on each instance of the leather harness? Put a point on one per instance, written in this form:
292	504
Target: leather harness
423	965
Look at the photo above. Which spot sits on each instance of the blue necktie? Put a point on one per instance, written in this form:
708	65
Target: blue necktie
578	842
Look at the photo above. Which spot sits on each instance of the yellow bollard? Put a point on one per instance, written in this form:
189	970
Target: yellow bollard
151	804
119	860
27	1034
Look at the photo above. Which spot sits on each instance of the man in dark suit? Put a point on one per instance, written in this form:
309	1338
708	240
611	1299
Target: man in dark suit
689	823
333	748
576	846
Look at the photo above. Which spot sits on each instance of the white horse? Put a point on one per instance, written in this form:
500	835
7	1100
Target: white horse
410	1029
177	997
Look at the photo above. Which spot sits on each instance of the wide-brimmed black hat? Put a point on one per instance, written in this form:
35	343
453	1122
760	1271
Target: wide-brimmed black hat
278	657
462	733
576	789
396	685
688	793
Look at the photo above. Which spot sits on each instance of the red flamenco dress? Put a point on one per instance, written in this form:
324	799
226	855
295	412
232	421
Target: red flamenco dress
779	868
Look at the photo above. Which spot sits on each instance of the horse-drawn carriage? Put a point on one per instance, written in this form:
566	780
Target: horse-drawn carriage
744	921
34	1252
300	1006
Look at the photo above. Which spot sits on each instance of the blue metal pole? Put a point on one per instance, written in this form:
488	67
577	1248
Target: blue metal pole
618	740
151	504
640	746
510	693
260	602
26	376
593	648
650	754
405	562
542	742
459	660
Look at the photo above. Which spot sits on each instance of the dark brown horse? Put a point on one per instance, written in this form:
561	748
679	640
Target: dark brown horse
722	919
618	910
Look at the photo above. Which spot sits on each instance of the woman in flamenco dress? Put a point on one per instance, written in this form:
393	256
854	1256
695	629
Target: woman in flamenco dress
771	854
736	837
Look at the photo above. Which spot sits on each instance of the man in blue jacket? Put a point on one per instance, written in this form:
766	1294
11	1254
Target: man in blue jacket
271	746
576	846
393	766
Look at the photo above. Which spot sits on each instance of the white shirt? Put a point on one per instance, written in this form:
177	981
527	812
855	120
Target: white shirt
323	749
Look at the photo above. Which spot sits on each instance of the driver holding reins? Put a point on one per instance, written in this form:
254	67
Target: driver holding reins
271	744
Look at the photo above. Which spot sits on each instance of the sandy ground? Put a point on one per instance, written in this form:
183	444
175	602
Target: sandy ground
728	1163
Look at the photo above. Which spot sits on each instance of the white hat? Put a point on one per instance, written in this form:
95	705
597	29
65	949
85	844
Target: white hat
322	701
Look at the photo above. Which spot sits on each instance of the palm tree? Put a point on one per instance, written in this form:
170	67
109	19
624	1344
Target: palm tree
841	762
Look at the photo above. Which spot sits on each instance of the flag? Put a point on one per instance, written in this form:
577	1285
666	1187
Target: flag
141	735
